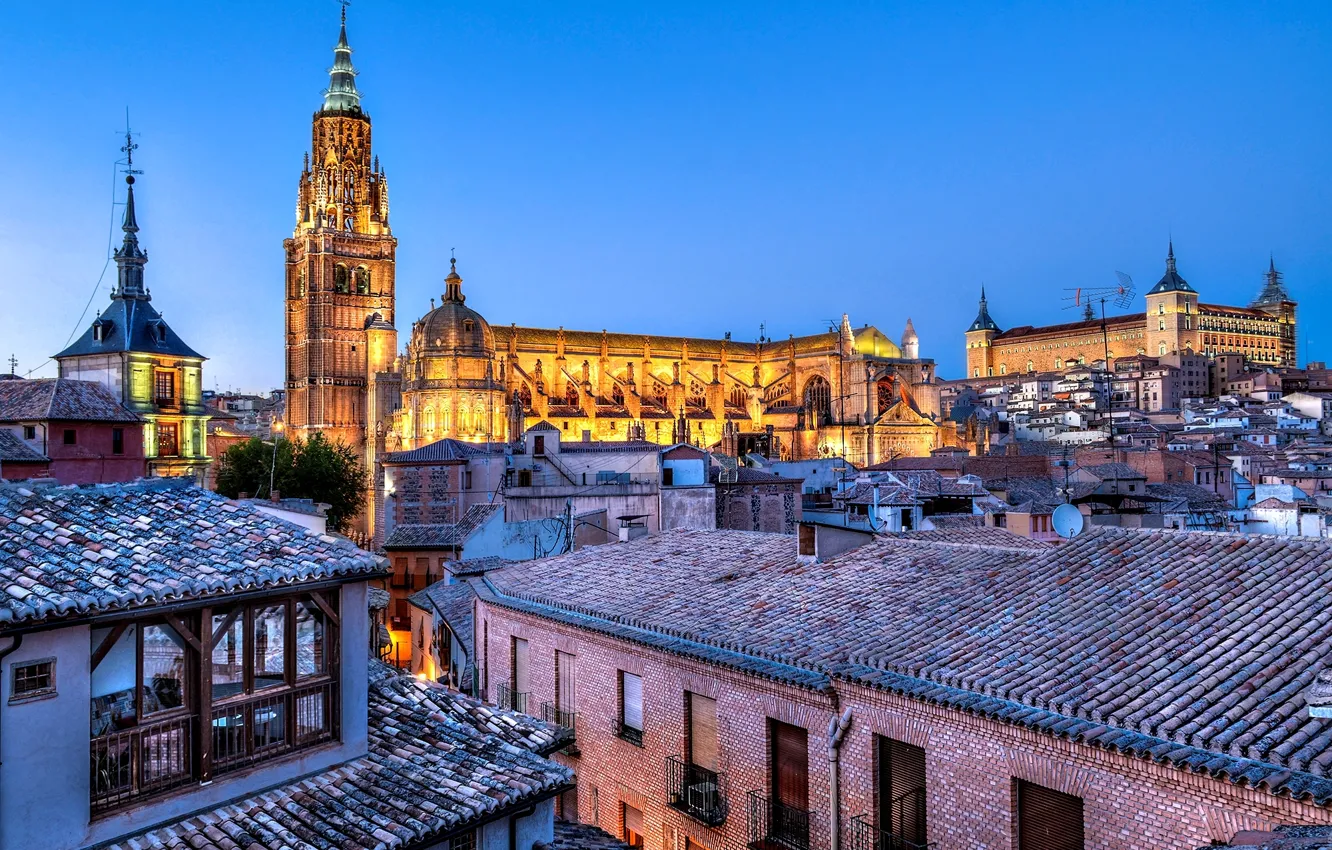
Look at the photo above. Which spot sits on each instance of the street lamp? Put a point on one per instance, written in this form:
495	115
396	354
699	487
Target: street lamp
276	430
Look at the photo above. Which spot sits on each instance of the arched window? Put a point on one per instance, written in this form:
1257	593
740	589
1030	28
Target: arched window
340	275
1031	367
975	373
1160	324
1059	364
349	223
883	390
1188	323
479	419
1160	308
349	185
818	398
1161	349
362	280
1003	368
463	420
444	420
617	394
429	419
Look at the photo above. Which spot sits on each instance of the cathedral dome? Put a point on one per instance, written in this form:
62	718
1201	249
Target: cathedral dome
453	327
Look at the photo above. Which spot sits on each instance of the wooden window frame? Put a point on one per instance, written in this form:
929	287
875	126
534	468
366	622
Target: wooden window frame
16	671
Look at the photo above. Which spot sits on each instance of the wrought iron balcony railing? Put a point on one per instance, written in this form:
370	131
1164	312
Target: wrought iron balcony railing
552	713
629	733
773	825
696	791
511	699
866	836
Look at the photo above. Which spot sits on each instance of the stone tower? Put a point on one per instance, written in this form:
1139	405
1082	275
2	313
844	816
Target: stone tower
339	272
1172	313
979	338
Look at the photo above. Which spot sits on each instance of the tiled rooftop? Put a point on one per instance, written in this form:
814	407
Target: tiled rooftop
60	399
981	535
438	761
438	535
67	551
445	451
1192	649
14	450
581	836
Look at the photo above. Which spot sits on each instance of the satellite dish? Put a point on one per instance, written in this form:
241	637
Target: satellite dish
1067	521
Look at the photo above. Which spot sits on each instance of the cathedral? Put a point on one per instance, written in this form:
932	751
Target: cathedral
852	392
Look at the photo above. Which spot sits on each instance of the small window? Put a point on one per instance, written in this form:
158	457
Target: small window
32	679
71	437
631	708
668	476
466	841
117	441
633	826
467	480
1047	819
29	432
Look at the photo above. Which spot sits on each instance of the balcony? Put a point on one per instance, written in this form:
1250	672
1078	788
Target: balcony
254	729
866	836
510	698
128	766
696	791
628	733
773	825
552	713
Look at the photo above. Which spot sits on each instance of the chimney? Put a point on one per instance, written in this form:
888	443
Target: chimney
276	496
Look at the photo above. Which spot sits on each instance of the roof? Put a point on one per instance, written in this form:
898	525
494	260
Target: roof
445	451
982	535
437	763
1065	328
543	425
954	521
1282	838
748	475
439	535
60	399
580	836
453	603
983	322
593	446
1113	470
131	324
70	551
1184	648
1170	281
14	450
1272	503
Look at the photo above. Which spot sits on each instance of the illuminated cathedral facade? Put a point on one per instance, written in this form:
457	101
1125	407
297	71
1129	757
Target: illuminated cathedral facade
849	391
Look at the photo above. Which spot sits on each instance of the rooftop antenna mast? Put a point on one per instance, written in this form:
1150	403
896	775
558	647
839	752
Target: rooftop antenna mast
1120	296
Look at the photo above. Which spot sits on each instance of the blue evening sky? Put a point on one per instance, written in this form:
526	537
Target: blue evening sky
682	168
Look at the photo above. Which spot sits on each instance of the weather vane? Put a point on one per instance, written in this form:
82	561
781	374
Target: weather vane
129	147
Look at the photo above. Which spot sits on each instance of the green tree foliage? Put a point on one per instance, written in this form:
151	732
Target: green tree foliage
304	469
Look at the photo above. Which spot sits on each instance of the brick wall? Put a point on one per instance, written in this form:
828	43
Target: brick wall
971	762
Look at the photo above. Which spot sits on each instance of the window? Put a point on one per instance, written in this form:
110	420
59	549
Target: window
702	731
633	826
32	680
467	479
164	387
566	686
513	696
168	441
901	790
421	575
29	432
399	578
340	278
538	445
667	476
71	436
790	776
630	726
362	280
1047	819
117	441
466	841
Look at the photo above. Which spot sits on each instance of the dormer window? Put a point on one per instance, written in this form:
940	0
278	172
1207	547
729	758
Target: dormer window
468	325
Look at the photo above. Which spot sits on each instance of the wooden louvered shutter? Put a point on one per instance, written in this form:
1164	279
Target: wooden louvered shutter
633	826
566	681
519	683
902	790
1047	819
790	765
703	731
631	701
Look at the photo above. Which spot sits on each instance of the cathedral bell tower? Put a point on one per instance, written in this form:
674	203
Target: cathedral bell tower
339	270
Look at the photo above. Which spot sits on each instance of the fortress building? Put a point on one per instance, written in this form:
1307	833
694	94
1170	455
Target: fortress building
1174	322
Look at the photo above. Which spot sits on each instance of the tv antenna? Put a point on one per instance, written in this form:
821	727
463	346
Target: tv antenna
129	148
1085	297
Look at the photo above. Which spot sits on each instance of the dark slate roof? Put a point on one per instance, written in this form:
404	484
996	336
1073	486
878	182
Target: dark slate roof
438	535
477	566
1281	838
1196	498
1170	281
983	321
438	763
593	446
446	450
956	521
748	475
133	324
1104	471
1190	649
862	493
60	399
69	551
14	450
580	836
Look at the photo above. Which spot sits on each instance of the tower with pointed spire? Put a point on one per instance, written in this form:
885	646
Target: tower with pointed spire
980	337
1172	312
341	344
131	350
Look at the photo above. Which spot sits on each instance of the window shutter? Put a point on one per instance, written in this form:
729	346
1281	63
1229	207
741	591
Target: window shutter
790	765
566	681
902	790
632	690
633	820
520	665
703	731
1047	819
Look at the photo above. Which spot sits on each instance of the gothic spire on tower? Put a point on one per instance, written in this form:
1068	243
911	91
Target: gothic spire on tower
983	321
1274	289
341	95
130	258
1170	281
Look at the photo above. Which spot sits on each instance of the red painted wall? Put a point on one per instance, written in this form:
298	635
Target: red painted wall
91	460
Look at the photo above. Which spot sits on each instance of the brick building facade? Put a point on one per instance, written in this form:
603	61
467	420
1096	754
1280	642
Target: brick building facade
1016	681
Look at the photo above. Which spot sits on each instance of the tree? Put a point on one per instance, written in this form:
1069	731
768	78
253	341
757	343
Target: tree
314	468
